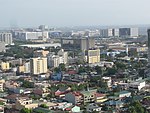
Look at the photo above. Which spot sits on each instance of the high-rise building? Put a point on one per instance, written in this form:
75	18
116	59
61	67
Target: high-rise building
92	56
78	43
64	56
115	32
6	38
53	60
134	32
5	66
38	65
148	31
25	68
106	33
33	35
124	32
128	32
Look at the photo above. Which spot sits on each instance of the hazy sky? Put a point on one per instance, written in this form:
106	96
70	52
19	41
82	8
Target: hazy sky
73	12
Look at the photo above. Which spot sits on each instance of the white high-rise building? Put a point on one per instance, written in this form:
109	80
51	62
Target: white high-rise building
116	32
6	38
64	56
106	32
134	32
55	60
33	35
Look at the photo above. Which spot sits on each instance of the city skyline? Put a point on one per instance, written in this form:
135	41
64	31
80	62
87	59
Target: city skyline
21	13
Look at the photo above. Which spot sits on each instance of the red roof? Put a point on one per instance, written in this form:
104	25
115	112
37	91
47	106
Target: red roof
68	109
100	95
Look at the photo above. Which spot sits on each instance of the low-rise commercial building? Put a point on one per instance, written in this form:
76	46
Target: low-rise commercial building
75	98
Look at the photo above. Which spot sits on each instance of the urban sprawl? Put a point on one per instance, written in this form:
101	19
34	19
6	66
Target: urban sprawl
99	70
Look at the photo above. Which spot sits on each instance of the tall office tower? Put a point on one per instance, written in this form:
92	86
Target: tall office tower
115	32
78	43
90	43
134	32
6	38
38	65
148	31
124	32
106	33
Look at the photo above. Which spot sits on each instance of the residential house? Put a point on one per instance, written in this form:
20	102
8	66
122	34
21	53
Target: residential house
107	80
43	92
93	107
88	96
99	97
75	109
75	98
62	91
123	94
25	102
137	85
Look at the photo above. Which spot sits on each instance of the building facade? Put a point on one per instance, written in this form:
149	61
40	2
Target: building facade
92	56
2	47
77	43
6	38
32	35
38	65
5	66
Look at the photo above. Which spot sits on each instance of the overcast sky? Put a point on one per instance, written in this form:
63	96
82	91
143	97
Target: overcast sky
73	12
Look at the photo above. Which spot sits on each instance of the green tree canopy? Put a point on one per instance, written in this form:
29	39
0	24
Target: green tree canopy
25	110
98	69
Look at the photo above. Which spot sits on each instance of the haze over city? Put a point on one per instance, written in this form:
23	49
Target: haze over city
22	13
74	56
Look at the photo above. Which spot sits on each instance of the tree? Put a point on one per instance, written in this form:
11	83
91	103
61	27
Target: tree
111	71
57	70
81	69
62	67
120	65
133	53
25	110
43	106
122	54
136	107
98	69
27	84
141	73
